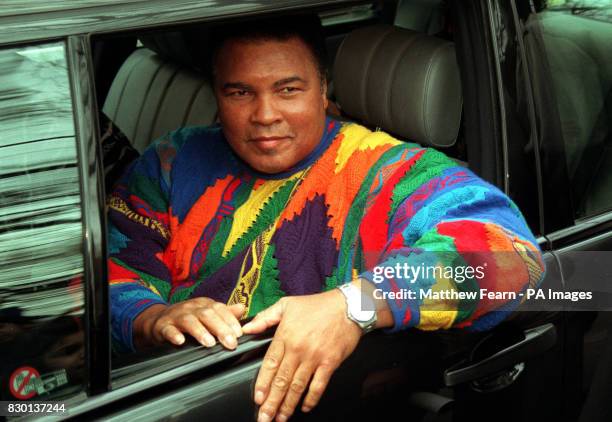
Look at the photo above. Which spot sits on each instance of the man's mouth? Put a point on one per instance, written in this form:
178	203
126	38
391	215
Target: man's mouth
268	142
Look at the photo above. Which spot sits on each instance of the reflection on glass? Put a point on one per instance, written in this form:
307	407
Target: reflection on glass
577	38
41	290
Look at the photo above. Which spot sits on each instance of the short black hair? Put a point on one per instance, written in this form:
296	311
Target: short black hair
306	27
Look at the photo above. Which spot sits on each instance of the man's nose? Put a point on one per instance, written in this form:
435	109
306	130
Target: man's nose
266	111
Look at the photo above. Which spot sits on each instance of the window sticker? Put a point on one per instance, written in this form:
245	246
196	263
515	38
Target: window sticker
23	382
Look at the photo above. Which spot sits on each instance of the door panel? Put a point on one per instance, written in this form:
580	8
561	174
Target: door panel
226	397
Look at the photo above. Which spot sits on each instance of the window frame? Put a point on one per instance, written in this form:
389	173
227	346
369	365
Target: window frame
93	213
482	105
103	380
508	49
103	376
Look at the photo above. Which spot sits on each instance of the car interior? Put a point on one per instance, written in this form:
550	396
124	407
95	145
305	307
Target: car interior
391	70
161	85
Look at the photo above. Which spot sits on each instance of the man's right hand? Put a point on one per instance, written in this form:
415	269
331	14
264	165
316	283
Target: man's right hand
202	318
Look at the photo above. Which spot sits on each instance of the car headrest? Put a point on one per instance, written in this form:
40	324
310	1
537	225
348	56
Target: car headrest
402	81
184	48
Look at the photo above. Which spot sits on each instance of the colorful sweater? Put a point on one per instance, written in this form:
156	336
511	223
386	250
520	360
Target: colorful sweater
191	219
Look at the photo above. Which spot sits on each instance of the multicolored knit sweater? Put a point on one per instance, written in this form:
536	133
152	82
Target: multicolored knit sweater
191	219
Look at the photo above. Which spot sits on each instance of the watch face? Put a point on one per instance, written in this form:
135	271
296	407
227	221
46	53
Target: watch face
360	309
363	315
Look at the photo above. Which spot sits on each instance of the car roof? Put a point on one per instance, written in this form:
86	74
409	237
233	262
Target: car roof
25	20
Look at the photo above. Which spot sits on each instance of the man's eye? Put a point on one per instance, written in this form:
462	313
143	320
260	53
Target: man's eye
289	90
239	93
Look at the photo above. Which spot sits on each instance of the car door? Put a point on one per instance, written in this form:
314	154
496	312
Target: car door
54	298
573	41
558	91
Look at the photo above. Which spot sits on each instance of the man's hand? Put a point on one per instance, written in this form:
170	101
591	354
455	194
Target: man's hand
202	318
313	338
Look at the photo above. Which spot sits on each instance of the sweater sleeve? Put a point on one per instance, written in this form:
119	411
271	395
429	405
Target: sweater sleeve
138	233
458	243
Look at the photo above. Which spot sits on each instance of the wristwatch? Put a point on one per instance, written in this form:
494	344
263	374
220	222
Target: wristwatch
360	307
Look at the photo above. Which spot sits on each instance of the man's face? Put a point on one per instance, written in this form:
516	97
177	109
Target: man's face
271	102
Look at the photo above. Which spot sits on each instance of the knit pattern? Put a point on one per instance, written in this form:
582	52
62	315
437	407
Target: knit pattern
190	219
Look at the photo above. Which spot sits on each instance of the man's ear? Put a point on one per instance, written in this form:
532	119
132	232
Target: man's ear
324	93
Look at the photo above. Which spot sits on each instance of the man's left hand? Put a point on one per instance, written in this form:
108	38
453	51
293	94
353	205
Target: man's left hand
314	336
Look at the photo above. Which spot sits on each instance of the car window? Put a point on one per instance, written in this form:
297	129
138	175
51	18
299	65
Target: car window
41	282
577	51
155	90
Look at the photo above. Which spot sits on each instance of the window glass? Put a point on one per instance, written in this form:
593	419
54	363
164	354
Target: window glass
41	285
576	39
522	180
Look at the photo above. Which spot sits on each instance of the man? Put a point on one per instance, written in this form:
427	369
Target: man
267	214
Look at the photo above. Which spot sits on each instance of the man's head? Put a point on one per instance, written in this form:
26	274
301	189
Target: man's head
270	84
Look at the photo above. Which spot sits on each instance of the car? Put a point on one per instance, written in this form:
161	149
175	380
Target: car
518	91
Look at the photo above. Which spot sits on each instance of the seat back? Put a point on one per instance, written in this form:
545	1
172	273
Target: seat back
151	96
402	81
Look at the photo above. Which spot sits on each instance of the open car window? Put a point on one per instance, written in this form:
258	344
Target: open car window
151	91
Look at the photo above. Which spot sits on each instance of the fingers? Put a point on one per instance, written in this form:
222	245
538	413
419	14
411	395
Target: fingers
269	366
304	352
275	380
188	323
203	319
317	386
228	314
237	310
283	380
211	318
265	319
296	389
171	334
